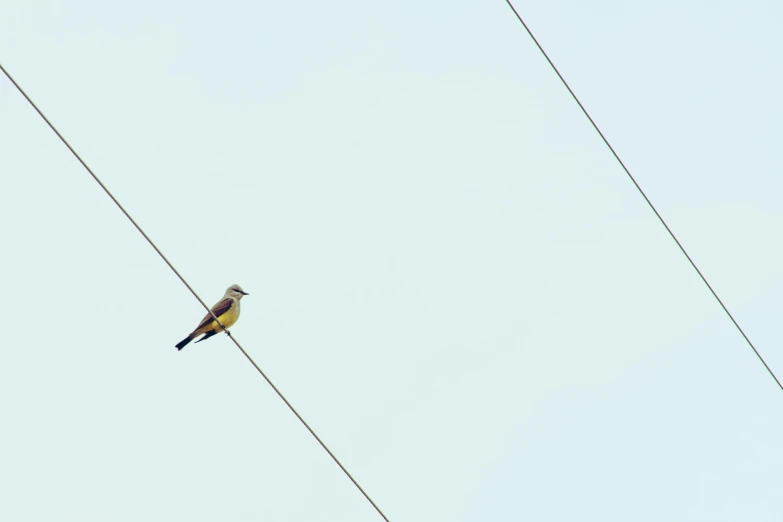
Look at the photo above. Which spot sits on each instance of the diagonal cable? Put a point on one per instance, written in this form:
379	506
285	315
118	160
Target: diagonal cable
639	188
152	244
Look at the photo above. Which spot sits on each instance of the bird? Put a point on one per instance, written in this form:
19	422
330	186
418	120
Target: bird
226	310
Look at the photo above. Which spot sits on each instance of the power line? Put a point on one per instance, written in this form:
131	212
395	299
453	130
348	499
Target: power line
152	244
639	188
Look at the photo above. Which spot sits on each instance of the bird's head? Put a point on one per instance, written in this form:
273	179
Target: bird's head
236	292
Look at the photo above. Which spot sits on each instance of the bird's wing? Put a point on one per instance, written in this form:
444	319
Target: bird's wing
219	309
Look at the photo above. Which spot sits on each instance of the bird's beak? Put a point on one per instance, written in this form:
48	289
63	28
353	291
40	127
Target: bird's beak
245	293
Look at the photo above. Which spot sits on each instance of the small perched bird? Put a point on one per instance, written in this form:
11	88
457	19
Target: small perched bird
226	310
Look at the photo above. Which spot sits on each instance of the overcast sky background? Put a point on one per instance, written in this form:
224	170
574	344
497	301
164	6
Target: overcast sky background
450	276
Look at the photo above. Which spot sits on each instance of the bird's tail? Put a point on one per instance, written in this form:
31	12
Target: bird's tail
183	342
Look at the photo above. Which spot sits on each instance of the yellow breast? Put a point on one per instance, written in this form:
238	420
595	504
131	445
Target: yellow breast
230	317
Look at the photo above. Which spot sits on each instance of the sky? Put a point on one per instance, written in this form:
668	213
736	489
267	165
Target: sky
450	276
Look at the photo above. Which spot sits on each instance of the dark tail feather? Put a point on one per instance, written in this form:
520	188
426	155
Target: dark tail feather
207	336
183	342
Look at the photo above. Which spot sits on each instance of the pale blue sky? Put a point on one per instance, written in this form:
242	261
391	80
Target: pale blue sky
450	276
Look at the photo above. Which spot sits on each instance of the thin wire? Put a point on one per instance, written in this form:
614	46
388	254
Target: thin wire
639	188
268	380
